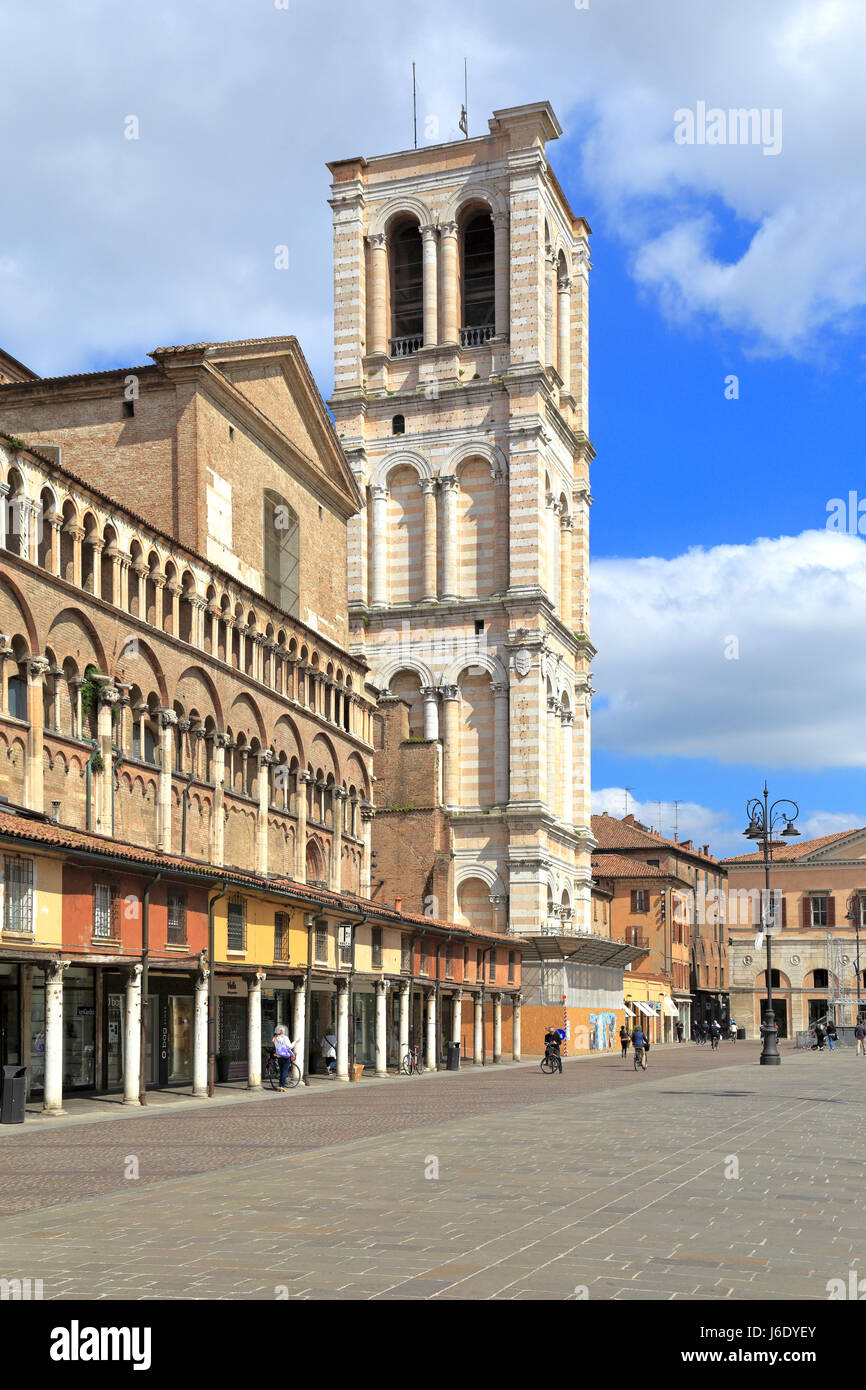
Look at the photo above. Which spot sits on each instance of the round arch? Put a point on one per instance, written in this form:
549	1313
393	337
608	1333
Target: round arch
409	458
400	206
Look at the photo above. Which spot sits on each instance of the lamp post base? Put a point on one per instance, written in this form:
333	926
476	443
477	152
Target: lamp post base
770	1051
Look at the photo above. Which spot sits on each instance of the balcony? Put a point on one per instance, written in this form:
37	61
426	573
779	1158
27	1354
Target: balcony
476	337
635	938
404	347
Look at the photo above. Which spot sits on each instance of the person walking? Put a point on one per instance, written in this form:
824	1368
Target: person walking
284	1049
679	1030
820	1036
860	1036
624	1040
831	1033
329	1052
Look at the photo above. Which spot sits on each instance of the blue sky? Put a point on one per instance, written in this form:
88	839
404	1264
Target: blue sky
728	620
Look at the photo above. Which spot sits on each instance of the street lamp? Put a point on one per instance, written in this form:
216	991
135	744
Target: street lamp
853	915
763	819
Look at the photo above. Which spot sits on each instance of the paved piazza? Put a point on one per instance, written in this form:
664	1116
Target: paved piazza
709	1177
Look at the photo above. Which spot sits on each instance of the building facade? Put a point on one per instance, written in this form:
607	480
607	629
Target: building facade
460	397
818	918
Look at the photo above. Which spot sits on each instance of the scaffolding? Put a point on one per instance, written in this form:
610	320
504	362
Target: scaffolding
842	980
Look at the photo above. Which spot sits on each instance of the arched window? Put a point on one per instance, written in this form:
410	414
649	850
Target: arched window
282	553
478	277
407	305
398	424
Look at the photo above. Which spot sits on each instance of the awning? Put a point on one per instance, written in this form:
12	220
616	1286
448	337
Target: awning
669	1009
629	1011
645	1009
585	949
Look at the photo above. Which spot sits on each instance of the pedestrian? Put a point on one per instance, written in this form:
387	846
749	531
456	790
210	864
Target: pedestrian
860	1035
820	1036
329	1052
285	1053
831	1033
679	1030
624	1040
646	1048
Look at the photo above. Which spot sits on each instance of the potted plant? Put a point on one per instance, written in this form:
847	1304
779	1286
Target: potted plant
223	1062
356	1070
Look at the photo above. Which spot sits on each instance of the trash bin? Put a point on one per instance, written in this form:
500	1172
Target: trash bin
14	1095
452	1056
741	1035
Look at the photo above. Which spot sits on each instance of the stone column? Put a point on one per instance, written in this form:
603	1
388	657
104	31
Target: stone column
430	696
254	1031
264	787
564	353
132	1059
304	779
457	1016
500	271
378	297
517	1006
299	1023
140	581
497	1027
109	696
167	721
501	743
478	1032
567	778
566	531
340	797
552	789
52	1101
381	1028
55	521
430	270
56	674
428	489
367	814
405	1004
34	795
379	598
431	1061
5	518
218	824
449	486
450	287
552	531
199	1036
451	744
77	534
342	1030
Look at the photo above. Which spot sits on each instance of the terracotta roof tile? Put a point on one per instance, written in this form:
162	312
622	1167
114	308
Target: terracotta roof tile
617	866
795	849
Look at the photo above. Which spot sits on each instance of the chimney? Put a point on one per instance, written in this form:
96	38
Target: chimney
398	904
55	812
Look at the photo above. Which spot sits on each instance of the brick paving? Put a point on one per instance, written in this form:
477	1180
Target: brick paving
601	1182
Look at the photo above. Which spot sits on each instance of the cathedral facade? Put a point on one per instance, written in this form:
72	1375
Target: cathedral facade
460	397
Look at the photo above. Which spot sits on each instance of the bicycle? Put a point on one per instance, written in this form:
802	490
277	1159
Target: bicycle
551	1062
639	1059
272	1073
714	1042
411	1064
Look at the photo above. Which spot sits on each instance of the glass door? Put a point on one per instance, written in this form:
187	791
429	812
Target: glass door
180	1025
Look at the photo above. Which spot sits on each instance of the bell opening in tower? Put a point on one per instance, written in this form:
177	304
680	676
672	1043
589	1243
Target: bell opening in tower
407	305
478	274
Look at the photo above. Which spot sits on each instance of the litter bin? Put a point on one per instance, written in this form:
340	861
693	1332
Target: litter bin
452	1056
741	1035
14	1095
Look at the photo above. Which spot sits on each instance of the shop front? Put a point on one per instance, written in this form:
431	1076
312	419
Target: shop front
170	1013
79	1029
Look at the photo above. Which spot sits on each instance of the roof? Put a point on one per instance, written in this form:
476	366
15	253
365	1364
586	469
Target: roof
585	949
612	833
796	849
30	827
617	866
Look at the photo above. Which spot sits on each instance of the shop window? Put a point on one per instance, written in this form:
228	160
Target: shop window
105	909
321	947
281	937
176	919
18	906
376	945
237	924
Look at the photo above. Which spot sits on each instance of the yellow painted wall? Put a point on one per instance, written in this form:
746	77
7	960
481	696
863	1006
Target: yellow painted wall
261	915
48	904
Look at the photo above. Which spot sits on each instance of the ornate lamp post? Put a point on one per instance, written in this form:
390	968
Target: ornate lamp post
763	819
853	915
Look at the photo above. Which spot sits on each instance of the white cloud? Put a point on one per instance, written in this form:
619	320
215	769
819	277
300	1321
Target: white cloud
109	246
741	653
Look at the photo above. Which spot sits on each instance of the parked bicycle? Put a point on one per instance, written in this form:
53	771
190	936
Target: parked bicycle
411	1064
272	1073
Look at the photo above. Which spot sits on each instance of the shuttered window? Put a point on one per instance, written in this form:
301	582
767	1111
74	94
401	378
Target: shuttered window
281	937
237	926
376	945
18	912
322	943
176	930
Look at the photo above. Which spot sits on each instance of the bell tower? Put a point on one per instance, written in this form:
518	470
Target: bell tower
460	394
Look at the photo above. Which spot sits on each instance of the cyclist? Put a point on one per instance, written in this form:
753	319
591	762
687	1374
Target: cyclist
552	1043
732	1029
284	1049
715	1034
639	1043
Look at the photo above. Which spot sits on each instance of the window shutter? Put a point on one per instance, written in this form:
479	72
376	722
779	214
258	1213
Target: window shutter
805	911
634	900
831	910
784	911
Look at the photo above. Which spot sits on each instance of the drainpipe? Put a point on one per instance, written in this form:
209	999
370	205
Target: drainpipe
145	975
117	759
484	958
211	1009
438	1036
88	784
184	802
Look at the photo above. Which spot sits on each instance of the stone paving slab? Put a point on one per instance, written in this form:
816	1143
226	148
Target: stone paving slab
613	1187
